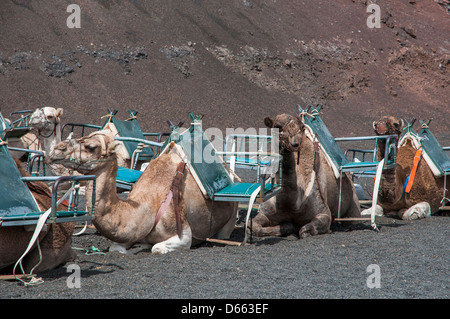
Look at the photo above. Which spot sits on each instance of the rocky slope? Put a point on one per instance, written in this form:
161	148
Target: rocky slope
234	61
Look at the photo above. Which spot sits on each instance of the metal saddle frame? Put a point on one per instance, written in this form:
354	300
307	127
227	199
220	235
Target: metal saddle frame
338	160
16	128
18	206
134	140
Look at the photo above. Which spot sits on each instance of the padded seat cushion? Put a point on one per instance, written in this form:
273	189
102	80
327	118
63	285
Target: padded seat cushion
241	189
128	175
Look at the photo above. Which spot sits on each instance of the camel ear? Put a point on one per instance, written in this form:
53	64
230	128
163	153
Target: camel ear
113	147
59	112
268	121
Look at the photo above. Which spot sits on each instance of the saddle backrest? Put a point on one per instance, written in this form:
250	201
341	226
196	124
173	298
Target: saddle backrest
434	150
128	128
326	140
16	198
208	166
209	169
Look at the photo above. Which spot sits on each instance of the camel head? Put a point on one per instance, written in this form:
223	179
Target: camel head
388	125
86	154
291	130
46	119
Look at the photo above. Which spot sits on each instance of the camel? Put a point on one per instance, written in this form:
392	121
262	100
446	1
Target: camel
45	134
47	121
46	130
310	191
54	243
426	192
135	220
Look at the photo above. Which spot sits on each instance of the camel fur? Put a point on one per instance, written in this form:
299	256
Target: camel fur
309	197
132	221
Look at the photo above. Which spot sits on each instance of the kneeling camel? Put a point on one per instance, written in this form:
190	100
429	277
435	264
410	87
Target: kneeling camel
136	220
310	191
426	191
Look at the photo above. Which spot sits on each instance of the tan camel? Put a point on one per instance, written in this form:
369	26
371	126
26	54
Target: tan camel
310	191
426	192
54	242
135	220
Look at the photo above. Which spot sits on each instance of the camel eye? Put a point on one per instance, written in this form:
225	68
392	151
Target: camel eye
91	147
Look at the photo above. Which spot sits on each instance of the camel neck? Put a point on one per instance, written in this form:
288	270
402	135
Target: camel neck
288	170
381	147
50	140
114	217
105	190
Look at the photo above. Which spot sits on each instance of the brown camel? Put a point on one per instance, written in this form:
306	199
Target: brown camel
55	242
135	220
310	191
426	191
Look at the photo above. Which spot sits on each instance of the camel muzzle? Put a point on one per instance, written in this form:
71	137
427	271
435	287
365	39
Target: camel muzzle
380	128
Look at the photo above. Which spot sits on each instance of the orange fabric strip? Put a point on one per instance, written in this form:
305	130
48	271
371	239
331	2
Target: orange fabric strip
413	171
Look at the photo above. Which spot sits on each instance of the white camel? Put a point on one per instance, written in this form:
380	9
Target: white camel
45	134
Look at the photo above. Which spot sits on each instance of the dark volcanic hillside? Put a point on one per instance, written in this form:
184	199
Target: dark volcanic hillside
234	61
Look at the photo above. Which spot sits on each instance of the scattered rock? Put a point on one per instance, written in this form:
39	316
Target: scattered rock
248	4
409	31
56	68
180	57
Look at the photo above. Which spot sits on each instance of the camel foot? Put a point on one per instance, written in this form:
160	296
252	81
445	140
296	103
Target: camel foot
281	230
307	231
174	243
368	211
120	248
418	211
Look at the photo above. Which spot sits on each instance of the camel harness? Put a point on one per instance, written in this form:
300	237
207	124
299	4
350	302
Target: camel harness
174	194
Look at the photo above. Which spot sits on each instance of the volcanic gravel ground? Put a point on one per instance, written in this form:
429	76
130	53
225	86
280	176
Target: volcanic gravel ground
412	256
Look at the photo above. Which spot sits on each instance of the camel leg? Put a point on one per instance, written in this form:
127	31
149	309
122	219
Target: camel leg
420	210
174	242
120	247
261	227
354	210
225	231
320	224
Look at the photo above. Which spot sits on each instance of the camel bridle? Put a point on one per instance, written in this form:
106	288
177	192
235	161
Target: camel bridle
47	123
287	131
82	140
